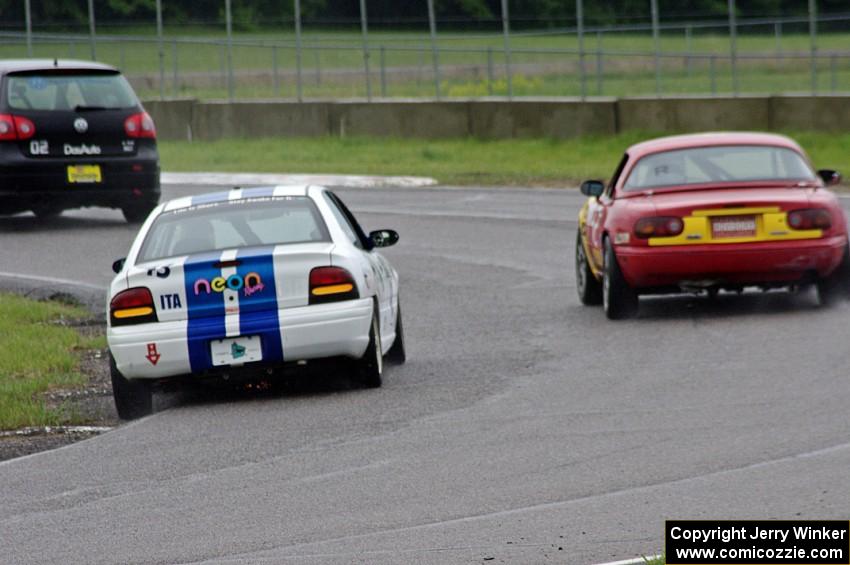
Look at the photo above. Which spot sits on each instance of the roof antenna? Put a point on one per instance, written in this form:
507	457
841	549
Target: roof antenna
55	62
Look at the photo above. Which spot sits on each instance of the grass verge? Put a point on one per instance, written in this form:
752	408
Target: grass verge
512	162
40	352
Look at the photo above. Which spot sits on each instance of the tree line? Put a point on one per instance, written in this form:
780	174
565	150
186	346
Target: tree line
249	14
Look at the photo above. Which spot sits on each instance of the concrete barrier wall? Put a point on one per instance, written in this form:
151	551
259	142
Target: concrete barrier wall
173	117
406	118
553	118
821	113
694	114
217	120
558	118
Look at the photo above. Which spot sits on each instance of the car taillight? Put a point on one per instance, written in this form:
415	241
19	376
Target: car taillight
140	125
661	226
810	219
14	128
132	306
330	284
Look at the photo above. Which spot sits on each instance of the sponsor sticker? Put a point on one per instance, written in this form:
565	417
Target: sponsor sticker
153	355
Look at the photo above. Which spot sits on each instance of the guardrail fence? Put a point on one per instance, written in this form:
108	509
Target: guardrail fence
662	56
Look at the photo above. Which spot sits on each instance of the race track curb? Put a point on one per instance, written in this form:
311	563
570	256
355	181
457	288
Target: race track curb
91	296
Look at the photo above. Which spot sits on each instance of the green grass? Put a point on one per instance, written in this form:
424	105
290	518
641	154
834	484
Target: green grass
38	354
525	162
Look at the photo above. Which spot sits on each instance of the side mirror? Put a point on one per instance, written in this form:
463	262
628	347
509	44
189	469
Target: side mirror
593	188
830	178
118	264
383	238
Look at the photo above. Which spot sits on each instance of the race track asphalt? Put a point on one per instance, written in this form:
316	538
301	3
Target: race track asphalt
524	428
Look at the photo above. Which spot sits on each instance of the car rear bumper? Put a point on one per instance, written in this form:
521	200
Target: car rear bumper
307	332
732	264
27	182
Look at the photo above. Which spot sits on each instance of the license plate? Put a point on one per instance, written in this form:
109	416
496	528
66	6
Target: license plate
733	226
236	351
83	174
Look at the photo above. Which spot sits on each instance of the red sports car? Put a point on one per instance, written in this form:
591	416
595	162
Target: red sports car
704	212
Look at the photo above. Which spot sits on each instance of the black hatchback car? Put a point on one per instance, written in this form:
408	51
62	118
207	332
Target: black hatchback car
74	134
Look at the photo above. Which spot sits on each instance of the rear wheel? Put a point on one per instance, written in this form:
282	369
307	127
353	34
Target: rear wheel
368	369
46	212
618	299
133	398
588	287
137	212
396	353
837	284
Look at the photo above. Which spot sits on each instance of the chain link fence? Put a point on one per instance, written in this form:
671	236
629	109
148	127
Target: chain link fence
669	54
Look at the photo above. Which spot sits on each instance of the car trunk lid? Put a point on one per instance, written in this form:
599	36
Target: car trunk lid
231	283
732	215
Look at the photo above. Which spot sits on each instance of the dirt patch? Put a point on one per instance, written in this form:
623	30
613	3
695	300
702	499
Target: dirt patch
90	407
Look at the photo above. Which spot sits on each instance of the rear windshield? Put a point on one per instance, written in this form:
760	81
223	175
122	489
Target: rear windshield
234	224
63	92
722	164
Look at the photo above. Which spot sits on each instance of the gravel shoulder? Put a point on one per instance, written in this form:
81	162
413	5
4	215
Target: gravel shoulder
91	403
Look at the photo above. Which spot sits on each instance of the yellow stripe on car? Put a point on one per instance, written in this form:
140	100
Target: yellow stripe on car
133	312
771	225
332	289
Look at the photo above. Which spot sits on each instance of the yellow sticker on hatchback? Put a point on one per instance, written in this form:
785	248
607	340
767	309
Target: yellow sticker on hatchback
81	174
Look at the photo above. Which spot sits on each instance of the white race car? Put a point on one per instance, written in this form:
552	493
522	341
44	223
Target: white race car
240	283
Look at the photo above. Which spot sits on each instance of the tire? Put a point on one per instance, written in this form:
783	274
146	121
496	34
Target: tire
837	285
619	300
133	398
396	354
588	287
137	212
368	369
45	213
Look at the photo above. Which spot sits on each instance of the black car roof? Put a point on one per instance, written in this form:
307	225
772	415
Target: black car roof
15	65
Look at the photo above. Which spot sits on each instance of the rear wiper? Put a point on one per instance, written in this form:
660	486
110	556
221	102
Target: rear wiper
82	108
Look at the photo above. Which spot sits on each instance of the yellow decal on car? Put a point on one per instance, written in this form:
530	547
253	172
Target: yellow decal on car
735	225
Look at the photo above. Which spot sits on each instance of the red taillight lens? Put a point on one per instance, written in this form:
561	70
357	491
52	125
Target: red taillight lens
132	306
24	127
14	128
7	128
810	219
330	284
661	226
140	125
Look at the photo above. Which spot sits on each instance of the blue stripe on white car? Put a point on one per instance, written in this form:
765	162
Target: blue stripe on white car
258	313
205	308
231	301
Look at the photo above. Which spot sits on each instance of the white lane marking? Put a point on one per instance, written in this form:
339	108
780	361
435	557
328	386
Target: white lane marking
635	561
119	429
54	280
354	181
43	430
558	504
231	297
457	214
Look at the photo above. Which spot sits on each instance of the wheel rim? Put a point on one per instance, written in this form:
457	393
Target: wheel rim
581	272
